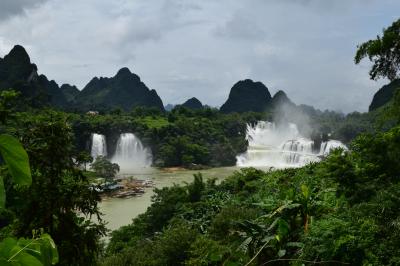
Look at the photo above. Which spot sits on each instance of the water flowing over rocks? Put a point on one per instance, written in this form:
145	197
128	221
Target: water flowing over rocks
281	146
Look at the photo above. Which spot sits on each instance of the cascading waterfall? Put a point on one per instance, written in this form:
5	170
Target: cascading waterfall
281	146
130	153
298	151
329	145
99	146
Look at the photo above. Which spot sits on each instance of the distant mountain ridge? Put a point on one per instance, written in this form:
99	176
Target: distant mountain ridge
247	95
169	107
124	90
17	72
193	103
70	92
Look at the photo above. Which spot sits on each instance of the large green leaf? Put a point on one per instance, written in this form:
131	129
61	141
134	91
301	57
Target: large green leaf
16	159
50	248
6	246
26	259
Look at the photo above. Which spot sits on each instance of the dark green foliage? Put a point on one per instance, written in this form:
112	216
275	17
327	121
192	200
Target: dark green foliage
181	151
8	102
83	158
182	137
375	164
342	210
70	92
384	95
59	200
104	168
384	52
38	251
169	248
247	95
16	160
124	90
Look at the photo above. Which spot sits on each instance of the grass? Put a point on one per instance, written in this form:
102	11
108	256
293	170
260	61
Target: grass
154	122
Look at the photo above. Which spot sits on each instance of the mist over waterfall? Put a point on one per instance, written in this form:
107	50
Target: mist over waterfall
281	146
99	146
130	153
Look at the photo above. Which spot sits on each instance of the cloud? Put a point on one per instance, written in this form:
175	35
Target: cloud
10	8
186	48
240	27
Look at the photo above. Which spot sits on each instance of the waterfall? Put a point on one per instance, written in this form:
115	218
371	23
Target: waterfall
329	145
99	146
130	153
298	151
281	146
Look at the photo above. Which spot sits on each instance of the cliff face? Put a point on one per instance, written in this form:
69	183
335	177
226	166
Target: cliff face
17	72
384	94
247	95
124	90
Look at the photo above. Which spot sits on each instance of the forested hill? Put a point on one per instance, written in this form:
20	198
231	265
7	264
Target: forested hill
17	72
247	95
384	94
125	90
193	103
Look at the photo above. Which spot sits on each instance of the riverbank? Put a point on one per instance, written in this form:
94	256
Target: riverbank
120	211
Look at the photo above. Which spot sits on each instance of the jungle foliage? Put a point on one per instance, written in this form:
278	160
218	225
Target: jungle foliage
48	196
342	211
186	137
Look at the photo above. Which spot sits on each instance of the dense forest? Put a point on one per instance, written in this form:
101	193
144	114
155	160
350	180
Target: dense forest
343	210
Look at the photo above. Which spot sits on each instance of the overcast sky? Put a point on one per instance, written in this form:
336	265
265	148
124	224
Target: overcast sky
202	47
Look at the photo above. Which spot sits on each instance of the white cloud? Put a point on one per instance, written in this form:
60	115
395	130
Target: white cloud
201	48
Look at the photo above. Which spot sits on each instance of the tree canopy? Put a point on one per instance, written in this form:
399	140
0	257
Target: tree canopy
383	52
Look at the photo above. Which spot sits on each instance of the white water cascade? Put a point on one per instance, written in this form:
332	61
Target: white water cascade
329	145
99	146
130	153
280	147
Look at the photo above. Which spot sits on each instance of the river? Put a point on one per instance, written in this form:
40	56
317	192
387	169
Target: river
118	212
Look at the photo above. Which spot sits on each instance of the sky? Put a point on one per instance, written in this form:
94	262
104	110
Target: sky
192	48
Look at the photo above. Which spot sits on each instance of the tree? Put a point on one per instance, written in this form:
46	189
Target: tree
59	200
384	52
104	168
83	158
40	250
8	100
